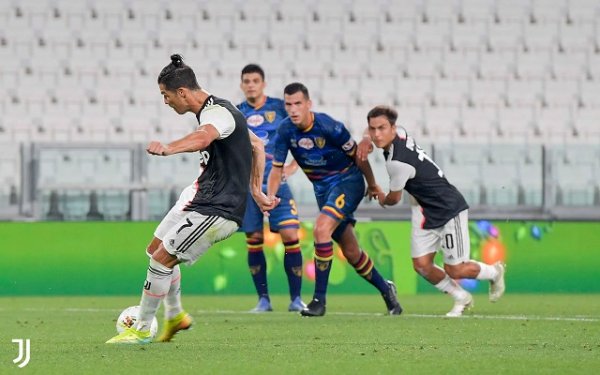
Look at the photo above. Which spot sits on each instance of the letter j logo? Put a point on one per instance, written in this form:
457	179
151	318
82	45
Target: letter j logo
24	351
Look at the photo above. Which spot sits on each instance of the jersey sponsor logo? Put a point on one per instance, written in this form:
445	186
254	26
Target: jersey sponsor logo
270	115
314	160
348	145
255	120
306	143
320	141
204	158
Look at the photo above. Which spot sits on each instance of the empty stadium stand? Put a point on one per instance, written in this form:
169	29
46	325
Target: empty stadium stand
471	76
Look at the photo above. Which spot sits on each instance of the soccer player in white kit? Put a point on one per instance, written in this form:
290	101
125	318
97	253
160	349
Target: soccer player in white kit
232	159
439	212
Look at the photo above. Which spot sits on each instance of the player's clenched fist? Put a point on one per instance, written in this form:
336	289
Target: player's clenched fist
157	148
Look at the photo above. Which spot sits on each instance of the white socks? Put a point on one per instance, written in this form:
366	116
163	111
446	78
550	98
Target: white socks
447	285
156	287
173	299
487	272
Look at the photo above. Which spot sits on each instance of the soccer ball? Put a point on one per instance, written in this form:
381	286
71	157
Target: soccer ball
129	316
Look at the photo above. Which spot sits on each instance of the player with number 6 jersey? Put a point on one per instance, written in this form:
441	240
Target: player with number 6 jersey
326	153
439	212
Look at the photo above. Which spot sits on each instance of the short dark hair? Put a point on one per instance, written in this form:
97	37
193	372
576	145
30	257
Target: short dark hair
253	68
295	87
177	74
383	110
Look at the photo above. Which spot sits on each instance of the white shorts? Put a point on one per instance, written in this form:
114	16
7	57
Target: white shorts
176	213
452	239
191	237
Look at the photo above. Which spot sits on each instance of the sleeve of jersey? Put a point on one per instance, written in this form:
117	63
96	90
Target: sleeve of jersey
281	147
399	173
343	139
220	118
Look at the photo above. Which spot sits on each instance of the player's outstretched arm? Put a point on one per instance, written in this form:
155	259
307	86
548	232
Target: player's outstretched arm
365	146
390	199
264	202
258	164
274	181
373	189
289	169
195	141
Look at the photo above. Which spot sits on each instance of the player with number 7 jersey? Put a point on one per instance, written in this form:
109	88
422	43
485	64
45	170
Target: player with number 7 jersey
439	212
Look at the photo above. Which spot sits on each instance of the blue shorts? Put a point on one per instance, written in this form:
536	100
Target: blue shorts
342	200
285	215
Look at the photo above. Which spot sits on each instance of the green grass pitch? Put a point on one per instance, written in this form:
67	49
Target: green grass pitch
521	334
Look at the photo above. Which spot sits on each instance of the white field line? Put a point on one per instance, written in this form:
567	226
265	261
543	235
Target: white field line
576	318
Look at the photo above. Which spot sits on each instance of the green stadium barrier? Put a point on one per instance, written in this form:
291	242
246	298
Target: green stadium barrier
108	258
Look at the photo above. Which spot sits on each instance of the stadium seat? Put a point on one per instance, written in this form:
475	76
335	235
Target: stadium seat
490	92
524	92
404	11
560	93
582	11
442	122
542	35
504	36
413	91
373	92
573	175
532	65
516	123
589	93
397	38
496	65
460	65
477	123
424	65
587	124
450	92
461	164
368	13
432	35
556	124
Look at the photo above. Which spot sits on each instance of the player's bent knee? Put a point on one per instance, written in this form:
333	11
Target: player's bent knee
256	236
455	272
162	256
152	246
423	271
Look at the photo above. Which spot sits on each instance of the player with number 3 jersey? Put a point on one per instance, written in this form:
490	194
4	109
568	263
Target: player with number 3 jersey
263	116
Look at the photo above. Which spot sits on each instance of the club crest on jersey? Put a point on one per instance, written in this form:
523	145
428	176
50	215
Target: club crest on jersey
306	143
320	141
255	120
270	115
